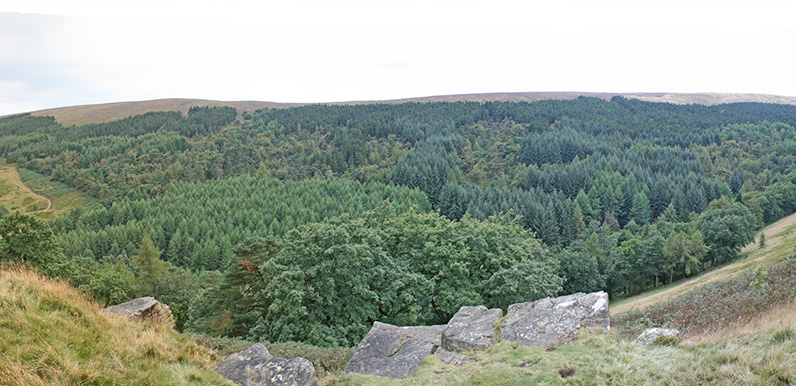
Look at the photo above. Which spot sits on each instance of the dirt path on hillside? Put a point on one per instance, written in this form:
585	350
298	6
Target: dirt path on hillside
49	203
15	193
754	256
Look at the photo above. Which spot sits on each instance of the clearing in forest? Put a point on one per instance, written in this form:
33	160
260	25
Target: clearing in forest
15	195
780	240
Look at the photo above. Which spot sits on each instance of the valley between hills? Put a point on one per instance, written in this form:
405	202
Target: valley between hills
300	225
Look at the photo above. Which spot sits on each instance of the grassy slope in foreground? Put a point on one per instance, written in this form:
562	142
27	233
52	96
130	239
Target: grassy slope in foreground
780	241
51	334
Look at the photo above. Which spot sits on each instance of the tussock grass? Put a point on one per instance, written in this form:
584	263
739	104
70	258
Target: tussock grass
715	306
607	359
52	334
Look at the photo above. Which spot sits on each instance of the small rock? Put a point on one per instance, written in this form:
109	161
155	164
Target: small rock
143	309
255	366
553	321
651	334
286	372
394	352
471	328
452	358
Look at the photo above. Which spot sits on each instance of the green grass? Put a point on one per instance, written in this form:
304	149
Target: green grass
64	198
5	188
607	359
51	334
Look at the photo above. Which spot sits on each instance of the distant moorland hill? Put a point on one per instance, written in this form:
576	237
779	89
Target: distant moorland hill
106	112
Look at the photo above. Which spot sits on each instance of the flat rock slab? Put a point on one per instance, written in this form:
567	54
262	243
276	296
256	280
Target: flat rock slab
452	358
143	309
553	321
255	366
394	352
472	328
651	334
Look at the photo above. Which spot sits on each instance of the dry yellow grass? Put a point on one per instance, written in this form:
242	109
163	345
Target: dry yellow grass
51	334
106	112
779	318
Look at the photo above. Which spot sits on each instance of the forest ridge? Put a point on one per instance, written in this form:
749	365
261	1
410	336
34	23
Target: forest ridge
105	112
309	223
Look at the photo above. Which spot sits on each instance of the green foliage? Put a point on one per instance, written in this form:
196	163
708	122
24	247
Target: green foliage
112	284
178	289
29	240
149	266
581	271
197	225
328	282
632	193
726	227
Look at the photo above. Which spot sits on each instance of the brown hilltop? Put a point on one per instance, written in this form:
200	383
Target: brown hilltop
106	112
77	115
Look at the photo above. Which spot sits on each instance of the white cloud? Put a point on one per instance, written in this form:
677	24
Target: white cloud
98	51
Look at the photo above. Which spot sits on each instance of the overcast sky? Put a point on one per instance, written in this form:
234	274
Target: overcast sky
60	53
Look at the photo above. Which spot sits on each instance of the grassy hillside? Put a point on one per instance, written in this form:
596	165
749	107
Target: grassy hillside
62	197
15	195
780	242
33	193
51	334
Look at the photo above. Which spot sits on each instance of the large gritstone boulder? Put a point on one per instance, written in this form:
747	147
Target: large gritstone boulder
650	335
255	366
553	321
394	352
144	309
472	328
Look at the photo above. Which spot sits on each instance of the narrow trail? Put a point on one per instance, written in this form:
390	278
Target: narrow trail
753	255
49	203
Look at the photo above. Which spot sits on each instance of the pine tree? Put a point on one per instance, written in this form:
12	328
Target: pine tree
150	267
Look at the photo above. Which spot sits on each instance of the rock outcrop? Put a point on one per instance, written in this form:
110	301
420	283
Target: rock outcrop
397	352
553	321
144	309
255	366
452	358
651	334
394	352
471	328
